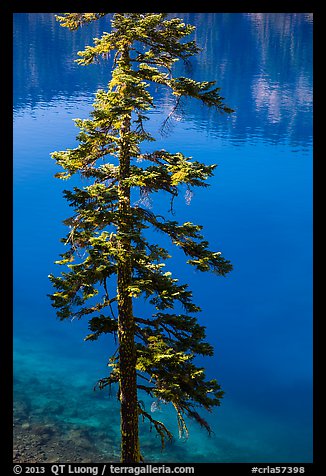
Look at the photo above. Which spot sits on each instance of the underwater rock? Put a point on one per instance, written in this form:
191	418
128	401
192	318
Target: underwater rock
155	406
55	441
80	438
54	408
43	433
21	410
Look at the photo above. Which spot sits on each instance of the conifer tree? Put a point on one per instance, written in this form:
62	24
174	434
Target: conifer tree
111	260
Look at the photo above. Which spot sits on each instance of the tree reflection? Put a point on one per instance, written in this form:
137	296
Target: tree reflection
261	61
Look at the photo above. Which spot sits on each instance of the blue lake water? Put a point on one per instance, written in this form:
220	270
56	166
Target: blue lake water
257	211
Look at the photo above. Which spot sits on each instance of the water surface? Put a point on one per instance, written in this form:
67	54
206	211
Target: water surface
258	212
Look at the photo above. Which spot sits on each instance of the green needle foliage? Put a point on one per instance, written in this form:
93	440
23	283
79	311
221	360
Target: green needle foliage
107	243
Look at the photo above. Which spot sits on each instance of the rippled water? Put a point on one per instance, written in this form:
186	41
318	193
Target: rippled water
258	211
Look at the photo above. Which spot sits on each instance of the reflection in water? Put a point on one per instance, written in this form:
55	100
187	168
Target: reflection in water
44	55
262	63
283	92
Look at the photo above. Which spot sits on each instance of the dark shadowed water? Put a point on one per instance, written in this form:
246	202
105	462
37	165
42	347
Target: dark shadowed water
257	211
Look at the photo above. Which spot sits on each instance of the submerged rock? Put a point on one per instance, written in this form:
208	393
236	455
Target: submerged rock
54	408
44	431
44	438
21	410
80	438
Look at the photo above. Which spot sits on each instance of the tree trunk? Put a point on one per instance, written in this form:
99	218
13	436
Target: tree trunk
130	452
